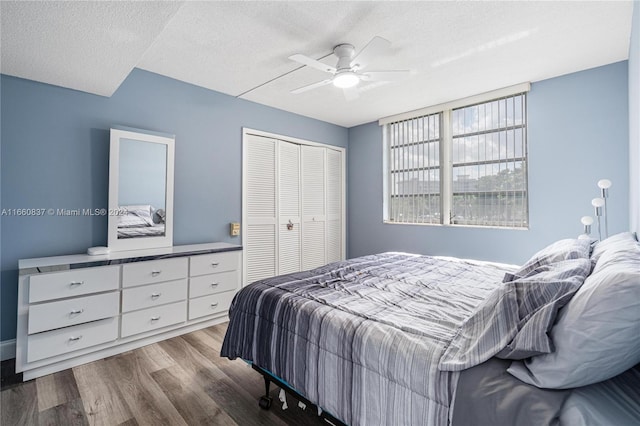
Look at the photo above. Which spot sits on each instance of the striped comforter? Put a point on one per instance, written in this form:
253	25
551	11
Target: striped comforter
363	338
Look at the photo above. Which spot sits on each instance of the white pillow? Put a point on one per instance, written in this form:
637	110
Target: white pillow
614	249
597	335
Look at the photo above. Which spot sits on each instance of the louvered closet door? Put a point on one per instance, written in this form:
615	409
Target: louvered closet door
334	180
313	206
289	250
260	229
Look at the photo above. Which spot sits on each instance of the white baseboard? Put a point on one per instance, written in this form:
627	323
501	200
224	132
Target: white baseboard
7	349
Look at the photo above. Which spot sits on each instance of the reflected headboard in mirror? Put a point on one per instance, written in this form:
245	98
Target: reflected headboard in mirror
140	189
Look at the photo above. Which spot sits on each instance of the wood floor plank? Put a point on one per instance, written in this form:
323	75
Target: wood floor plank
193	404
178	381
102	402
130	422
237	370
55	389
70	413
19	405
217	331
241	406
156	358
145	399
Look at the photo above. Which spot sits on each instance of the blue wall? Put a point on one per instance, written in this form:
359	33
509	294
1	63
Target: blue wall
634	121
577	134
55	154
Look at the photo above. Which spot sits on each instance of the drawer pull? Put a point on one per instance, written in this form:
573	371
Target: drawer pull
215	264
213	305
155	318
214	285
155	273
75	283
76	312
75	339
155	295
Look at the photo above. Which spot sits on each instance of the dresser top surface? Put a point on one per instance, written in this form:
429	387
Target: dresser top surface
118	257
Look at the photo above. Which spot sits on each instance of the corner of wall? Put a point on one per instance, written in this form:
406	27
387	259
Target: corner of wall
634	121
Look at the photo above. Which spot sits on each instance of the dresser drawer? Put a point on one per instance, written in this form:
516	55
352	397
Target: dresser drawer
51	315
153	318
209	305
75	282
213	283
215	262
153	295
57	342
154	271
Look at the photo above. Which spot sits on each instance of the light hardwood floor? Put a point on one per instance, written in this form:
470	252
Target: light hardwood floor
175	382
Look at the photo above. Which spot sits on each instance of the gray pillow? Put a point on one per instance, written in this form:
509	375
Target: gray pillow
513	321
540	295
597	335
556	252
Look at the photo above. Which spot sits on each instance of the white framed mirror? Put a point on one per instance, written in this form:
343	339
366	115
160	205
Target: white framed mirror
140	189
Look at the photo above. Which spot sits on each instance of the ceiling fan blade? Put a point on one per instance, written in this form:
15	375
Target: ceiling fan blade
351	93
310	62
385	75
376	47
311	86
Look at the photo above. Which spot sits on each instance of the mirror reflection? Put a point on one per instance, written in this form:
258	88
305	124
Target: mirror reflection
142	189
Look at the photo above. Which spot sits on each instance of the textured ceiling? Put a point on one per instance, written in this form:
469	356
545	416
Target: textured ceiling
456	49
88	46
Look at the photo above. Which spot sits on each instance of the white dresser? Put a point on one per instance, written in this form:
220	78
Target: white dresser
77	309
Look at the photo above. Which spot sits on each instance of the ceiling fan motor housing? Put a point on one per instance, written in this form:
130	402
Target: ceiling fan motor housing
345	53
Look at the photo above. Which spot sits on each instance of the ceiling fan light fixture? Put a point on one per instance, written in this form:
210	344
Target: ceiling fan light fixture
345	80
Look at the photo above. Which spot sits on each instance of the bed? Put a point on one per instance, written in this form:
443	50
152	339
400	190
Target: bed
140	221
403	339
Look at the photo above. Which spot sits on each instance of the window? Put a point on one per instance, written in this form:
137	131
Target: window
414	157
459	164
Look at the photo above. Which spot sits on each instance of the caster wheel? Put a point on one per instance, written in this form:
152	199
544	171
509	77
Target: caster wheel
265	402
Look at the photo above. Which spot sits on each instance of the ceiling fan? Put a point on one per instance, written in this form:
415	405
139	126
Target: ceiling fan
348	72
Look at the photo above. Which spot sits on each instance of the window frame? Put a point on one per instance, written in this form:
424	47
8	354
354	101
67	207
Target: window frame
446	193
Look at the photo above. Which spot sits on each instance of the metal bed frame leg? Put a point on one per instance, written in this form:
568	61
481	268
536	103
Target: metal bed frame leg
265	401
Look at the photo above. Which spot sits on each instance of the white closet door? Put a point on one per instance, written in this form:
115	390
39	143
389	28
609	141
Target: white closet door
289	252
261	206
313	206
334	206
293	206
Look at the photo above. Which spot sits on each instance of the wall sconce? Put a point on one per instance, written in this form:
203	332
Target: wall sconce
587	221
604	185
597	203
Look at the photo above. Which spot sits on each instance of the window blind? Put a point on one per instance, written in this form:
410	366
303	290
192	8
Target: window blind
414	170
